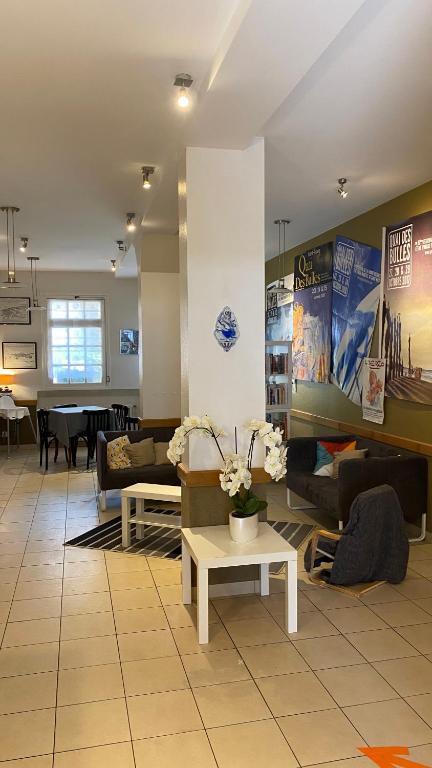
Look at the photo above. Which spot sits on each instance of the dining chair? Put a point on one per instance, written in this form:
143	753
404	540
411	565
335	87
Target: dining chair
97	421
46	437
131	423
121	412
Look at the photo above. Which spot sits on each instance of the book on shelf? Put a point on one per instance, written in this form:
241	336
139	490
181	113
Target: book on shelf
277	363
276	394
279	420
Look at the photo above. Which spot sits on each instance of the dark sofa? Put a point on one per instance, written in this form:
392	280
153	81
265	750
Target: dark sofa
110	479
405	471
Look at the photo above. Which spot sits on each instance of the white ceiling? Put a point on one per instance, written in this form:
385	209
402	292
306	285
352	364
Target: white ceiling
337	87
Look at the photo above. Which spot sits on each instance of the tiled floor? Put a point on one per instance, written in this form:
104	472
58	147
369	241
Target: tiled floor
100	666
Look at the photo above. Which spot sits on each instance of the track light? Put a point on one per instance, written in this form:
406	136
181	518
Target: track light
130	222
147	171
113	265
341	188
24	244
183	82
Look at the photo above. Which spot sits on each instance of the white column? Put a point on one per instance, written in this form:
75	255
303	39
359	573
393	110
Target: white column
221	208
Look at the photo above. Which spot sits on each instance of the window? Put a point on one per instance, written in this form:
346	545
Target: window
76	341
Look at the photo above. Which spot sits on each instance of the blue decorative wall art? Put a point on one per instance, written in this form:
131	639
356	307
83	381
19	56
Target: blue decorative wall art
226	330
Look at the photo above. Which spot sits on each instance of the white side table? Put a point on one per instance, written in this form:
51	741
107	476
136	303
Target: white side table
212	547
151	491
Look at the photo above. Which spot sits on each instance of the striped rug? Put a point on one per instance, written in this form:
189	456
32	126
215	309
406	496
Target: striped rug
166	542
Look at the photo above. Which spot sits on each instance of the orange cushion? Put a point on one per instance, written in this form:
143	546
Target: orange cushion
332	448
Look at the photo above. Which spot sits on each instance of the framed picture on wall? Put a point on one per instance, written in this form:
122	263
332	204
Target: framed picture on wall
19	354
128	341
14	311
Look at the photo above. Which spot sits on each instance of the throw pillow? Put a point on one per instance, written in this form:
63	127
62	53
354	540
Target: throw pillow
116	456
141	454
161	453
344	456
326	451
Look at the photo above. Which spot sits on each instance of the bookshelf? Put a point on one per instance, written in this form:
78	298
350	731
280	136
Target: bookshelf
278	375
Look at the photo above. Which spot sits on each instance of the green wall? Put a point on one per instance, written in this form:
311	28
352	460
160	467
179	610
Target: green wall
402	418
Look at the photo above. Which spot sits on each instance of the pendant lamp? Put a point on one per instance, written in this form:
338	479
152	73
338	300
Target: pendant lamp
35	306
11	281
279	289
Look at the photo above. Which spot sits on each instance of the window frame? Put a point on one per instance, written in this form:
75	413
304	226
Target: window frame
105	383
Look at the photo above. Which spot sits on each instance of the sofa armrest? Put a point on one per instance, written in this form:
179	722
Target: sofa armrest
407	475
101	458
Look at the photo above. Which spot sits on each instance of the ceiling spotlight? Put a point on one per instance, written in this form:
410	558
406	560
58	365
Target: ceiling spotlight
341	188
24	244
113	265
147	171
183	82
130	222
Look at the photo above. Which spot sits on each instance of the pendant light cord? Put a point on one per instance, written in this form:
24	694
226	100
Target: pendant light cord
13	243
7	240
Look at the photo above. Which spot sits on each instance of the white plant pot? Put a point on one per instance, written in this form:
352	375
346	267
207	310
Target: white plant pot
243	529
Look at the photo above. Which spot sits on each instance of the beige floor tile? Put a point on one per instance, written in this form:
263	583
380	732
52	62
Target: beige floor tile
186	615
422	567
85	584
6	592
88	652
162	563
359	684
96	602
161	714
182	750
424	603
275	604
326	599
167	578
334	652
389	722
40	572
47	545
414	587
401	614
214	668
187	641
77	555
26	734
146	645
31	632
230	703
38	608
242	607
170	595
110	756
422	705
30	590
83	569
91	725
28	692
251	745
78	686
118	563
421	551
273	659
10	561
128	599
311	625
294	694
255	631
9	575
4	611
27	659
43	761
381	644
350	762
357	619
319	737
154	676
409	677
130	580
43	558
87	625
418	635
140	620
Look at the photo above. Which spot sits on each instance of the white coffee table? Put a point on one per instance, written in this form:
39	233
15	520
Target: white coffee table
150	491
212	547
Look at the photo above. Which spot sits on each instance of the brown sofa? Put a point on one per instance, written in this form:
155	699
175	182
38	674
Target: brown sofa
110	479
405	471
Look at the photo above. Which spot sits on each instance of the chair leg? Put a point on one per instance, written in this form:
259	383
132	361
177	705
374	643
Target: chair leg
46	455
56	449
41	446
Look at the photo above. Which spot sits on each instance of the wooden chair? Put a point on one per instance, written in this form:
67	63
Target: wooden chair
97	421
121	413
46	437
131	423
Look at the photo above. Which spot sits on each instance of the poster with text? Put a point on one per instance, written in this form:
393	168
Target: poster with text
373	381
356	293
406	317
279	309
312	314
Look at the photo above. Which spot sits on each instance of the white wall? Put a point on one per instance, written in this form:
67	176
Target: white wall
121	301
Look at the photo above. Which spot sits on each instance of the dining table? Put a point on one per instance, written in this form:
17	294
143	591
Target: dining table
67	423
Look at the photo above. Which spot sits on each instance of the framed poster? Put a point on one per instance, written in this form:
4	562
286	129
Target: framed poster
19	354
279	309
128	341
14	310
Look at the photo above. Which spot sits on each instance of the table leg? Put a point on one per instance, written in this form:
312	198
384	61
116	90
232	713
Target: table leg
203	630
33	429
126	509
186	575
264	579
291	596
8	438
139	510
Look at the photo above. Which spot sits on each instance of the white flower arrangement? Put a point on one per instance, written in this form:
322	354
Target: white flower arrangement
236	469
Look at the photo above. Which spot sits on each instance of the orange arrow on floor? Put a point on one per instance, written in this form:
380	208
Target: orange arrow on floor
390	757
